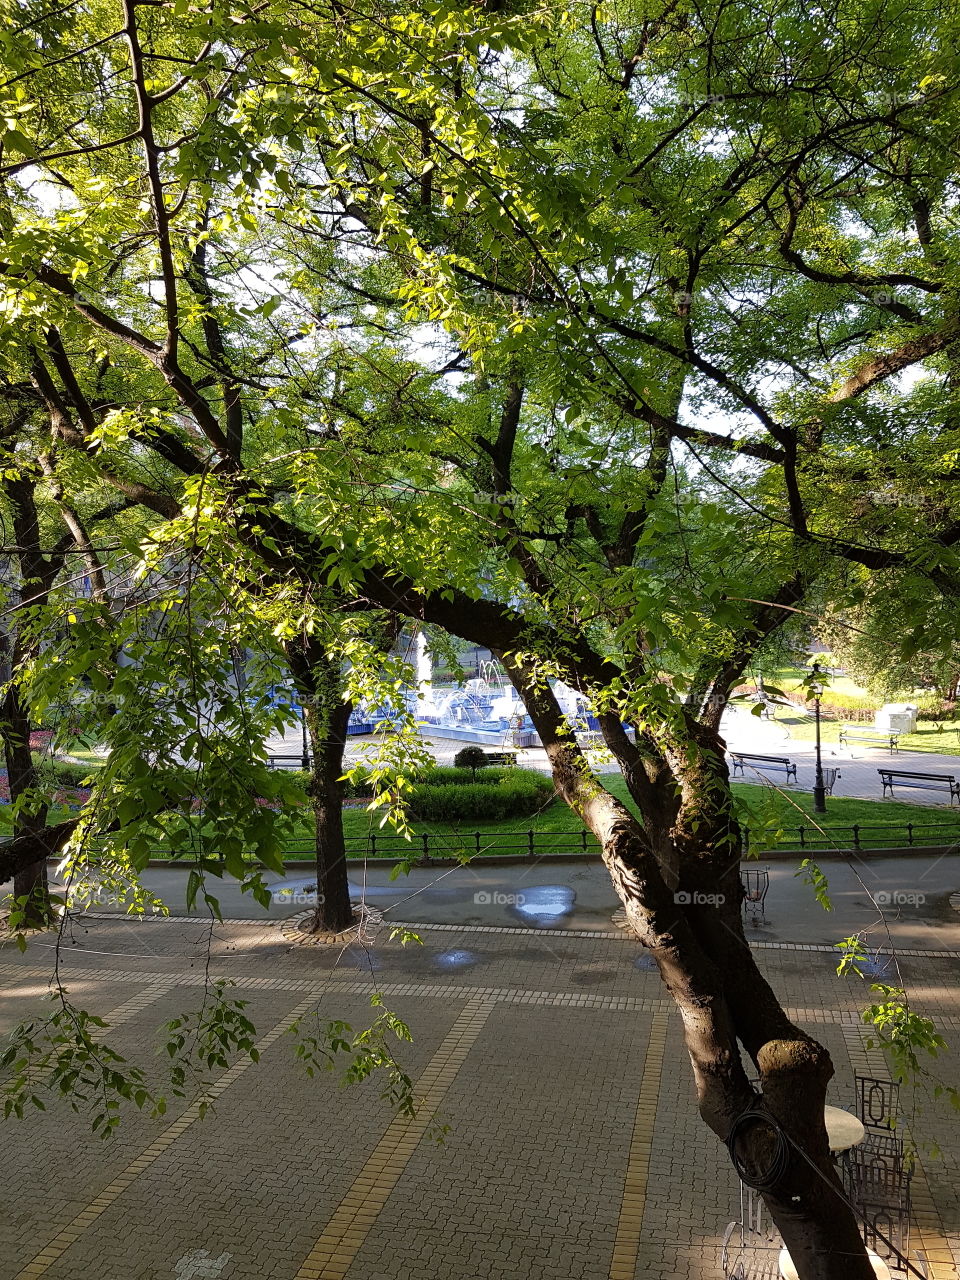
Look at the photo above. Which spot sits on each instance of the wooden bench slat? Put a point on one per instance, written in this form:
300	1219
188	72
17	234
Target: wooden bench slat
891	778
780	763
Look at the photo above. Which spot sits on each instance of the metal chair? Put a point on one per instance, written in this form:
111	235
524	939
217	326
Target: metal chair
755	882
886	1230
877	1180
878	1155
751	1246
878	1103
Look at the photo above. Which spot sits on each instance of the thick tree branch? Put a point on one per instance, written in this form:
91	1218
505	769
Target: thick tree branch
891	362
24	851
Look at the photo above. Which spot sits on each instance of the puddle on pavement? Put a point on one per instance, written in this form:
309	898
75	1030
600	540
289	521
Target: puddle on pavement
289	893
876	966
645	962
544	906
457	959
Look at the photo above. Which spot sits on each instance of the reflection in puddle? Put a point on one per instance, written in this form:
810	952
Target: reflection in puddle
543	905
457	959
645	961
358	891
304	892
287	893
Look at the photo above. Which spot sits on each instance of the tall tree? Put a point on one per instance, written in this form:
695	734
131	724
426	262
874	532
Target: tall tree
634	236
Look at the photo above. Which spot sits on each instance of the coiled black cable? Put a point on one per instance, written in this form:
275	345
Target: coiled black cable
773	1175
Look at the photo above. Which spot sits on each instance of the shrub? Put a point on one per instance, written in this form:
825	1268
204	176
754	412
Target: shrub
849	709
516	793
447	775
472	758
353	788
62	773
930	706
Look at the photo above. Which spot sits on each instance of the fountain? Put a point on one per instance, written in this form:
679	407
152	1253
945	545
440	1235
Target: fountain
486	710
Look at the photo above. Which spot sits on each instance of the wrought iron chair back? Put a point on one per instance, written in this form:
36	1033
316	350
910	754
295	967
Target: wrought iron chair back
751	1246
878	1103
756	883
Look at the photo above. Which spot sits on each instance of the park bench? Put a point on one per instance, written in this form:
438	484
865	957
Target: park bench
852	733
922	781
501	757
298	761
777	763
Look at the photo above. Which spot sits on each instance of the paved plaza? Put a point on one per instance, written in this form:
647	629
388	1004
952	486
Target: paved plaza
542	1040
574	1149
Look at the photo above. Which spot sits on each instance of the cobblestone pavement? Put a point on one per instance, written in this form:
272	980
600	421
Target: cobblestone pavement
574	1149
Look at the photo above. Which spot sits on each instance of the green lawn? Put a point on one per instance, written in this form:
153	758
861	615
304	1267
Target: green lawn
944	741
785	809
788	679
95	759
790	811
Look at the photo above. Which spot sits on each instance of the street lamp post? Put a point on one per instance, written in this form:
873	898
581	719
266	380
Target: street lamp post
819	791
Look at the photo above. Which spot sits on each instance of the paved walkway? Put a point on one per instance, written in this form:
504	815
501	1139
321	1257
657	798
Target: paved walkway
574	1150
899	901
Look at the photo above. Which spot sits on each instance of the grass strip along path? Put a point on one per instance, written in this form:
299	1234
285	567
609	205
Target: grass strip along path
772	811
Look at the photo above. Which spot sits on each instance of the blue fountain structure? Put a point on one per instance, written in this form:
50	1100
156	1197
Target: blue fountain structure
486	710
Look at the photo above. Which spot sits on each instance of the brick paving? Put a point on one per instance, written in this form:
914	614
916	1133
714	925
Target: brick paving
574	1152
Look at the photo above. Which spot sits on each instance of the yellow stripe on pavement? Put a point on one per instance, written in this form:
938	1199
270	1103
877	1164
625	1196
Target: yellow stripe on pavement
626	1246
62	1241
332	1255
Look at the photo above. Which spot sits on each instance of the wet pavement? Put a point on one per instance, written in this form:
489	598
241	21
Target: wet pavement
897	900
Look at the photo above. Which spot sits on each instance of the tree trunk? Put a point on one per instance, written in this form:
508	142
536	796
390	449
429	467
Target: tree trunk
328	733
678	877
320	686
30	886
37	576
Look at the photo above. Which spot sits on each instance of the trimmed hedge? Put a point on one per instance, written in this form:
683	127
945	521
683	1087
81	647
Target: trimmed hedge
448	775
62	773
503	793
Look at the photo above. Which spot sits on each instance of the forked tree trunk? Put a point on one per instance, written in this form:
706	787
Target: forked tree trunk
689	845
320	685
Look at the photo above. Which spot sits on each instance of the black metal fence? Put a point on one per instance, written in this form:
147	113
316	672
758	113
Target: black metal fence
537	844
869	836
532	844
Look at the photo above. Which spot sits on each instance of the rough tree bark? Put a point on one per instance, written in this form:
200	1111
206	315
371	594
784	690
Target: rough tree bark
38	573
319	683
677	876
30	885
